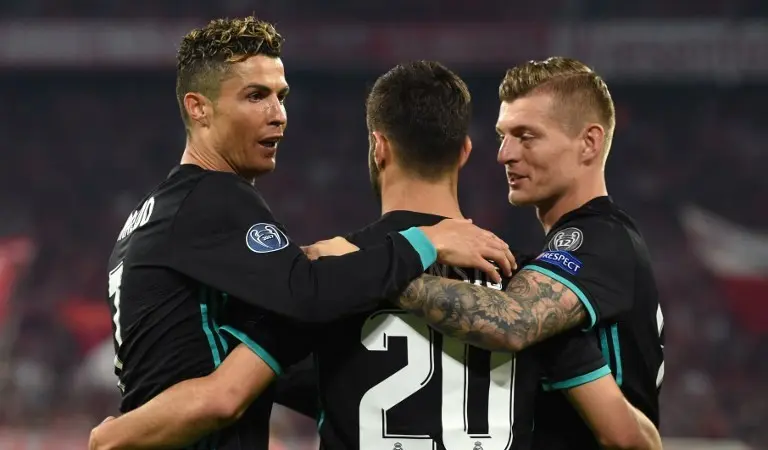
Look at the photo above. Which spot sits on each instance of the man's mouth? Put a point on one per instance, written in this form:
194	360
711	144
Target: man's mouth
271	142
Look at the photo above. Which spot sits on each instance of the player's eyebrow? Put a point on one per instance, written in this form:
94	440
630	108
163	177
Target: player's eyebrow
266	90
518	130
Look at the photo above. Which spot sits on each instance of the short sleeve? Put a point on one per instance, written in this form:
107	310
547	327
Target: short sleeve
594	258
571	359
279	341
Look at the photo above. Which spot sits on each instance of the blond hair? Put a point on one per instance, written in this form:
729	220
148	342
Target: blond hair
580	93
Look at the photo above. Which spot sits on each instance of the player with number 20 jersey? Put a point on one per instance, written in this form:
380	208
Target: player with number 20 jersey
389	381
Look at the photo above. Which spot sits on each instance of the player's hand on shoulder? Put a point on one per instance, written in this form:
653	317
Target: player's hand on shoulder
331	247
460	243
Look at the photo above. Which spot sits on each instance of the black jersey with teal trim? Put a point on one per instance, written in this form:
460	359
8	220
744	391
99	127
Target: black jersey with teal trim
387	381
202	265
598	252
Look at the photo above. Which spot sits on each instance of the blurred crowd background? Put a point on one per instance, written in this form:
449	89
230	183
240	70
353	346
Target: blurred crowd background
91	123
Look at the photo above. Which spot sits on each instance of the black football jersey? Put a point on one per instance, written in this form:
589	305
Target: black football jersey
599	253
202	265
387	381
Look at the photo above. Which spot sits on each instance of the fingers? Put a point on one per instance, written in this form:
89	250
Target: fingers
312	252
512	261
489	269
498	256
332	247
505	260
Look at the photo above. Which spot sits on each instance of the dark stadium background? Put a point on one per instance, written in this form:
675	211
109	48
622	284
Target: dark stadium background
89	122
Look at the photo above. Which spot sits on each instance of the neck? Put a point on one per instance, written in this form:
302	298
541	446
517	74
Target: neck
428	197
201	154
550	212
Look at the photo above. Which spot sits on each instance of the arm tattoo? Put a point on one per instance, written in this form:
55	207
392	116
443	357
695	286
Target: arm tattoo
534	307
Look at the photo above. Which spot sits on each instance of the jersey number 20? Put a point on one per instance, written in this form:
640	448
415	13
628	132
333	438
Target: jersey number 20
374	405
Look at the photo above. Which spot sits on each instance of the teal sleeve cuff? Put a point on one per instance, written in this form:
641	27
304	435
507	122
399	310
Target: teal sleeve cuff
255	348
419	241
578	381
575	289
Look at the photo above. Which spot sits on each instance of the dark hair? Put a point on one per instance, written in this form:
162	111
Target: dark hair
424	109
206	54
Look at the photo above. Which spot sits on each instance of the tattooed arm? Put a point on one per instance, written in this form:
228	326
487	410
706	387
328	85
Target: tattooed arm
531	309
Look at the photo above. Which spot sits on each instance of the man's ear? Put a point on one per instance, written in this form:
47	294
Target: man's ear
198	107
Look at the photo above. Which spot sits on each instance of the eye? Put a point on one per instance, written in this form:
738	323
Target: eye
525	137
500	138
255	96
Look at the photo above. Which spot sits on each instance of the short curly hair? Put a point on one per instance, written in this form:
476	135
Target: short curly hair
206	54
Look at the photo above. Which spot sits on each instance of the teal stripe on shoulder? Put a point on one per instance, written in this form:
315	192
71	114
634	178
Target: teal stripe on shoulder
617	354
255	348
423	246
578	381
575	289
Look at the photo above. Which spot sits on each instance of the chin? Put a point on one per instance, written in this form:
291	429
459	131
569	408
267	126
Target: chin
517	198
265	166
258	171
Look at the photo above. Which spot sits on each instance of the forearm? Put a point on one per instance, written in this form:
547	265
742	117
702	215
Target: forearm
333	287
180	416
531	309
650	434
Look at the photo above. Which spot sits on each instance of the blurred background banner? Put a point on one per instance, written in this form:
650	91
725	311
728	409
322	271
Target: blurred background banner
91	123
622	50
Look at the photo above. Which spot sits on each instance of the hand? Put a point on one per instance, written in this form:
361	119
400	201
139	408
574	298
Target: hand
332	247
461	244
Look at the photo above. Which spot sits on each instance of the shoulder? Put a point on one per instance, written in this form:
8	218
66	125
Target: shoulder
591	234
218	203
220	193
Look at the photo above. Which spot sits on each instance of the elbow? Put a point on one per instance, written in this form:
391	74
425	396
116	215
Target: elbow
495	342
503	343
97	441
513	347
226	410
224	407
622	439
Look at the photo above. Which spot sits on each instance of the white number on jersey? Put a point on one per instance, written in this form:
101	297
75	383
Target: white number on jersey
115	280
374	434
660	328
